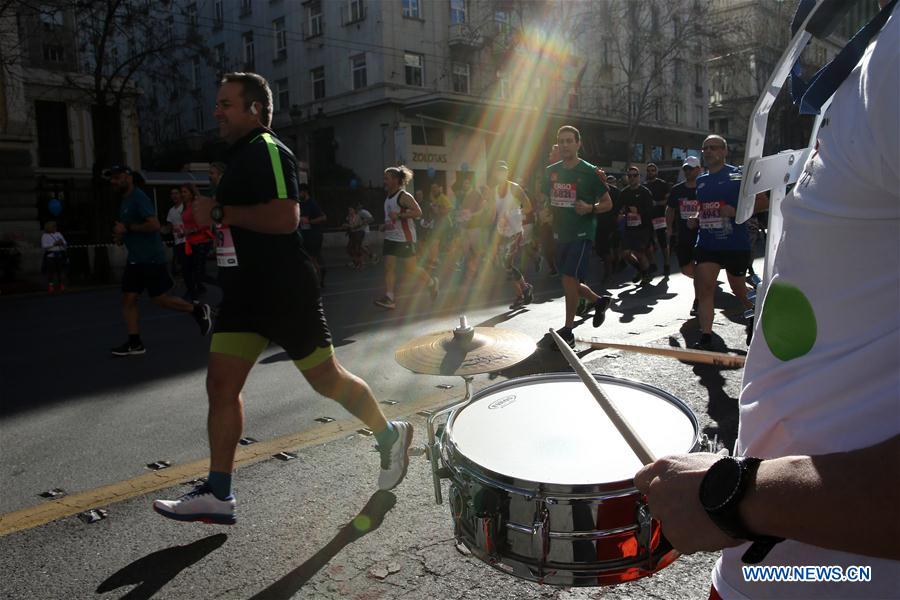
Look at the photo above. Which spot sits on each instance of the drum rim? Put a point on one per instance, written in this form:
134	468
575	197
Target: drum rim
541	489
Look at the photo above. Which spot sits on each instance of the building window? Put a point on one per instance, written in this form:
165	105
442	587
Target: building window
698	110
282	96
457	11
246	7
358	71
219	13
198	117
355	11
176	125
51	19
219	57
280	34
195	73
657	110
677	110
314	15
249	56
414	68
574	101
317	78
502	87
637	153
678	153
635	105
501	20
411	9
52	121
191	12
656	153
54	53
460	77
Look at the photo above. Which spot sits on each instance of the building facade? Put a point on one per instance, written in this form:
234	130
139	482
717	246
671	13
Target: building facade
445	86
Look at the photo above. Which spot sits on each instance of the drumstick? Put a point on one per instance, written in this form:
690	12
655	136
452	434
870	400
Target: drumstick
719	359
634	440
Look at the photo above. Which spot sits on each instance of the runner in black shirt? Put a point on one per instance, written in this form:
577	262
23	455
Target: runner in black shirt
637	210
660	191
681	207
270	293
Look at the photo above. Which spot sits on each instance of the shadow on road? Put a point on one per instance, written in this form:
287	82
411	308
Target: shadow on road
721	408
368	520
155	570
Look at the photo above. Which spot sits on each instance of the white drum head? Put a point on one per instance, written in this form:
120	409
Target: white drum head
554	432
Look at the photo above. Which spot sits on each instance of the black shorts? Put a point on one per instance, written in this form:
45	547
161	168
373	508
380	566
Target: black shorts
735	262
662	239
684	252
154	278
291	315
637	238
399	249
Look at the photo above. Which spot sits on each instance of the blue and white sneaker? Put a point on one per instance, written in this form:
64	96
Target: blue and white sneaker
198	505
395	458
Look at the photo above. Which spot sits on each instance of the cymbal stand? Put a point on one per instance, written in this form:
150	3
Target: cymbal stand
434	446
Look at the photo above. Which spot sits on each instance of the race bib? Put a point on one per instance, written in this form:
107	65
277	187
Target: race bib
659	223
226	255
633	219
563	195
709	215
689	208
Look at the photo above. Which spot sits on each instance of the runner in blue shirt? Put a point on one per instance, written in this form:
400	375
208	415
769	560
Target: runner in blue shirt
721	242
145	269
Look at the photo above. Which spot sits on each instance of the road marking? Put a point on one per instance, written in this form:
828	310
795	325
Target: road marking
42	514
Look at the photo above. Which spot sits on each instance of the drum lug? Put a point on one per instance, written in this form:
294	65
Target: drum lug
644	533
486	528
540	535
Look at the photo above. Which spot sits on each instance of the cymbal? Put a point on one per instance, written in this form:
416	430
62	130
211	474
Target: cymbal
475	350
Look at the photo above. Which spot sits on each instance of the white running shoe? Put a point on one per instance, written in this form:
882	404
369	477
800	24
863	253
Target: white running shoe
395	458
198	505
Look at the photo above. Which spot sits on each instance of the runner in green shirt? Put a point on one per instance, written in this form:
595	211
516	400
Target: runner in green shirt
575	192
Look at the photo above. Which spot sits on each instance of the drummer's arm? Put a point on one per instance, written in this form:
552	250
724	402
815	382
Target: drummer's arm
847	501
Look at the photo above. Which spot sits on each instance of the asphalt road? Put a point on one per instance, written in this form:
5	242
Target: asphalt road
72	417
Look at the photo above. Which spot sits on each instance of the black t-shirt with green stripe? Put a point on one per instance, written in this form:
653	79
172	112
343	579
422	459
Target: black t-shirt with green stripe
260	168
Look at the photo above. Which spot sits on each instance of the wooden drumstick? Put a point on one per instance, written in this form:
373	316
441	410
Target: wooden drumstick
719	359
622	425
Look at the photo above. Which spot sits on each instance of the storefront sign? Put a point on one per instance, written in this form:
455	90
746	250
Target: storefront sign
429	157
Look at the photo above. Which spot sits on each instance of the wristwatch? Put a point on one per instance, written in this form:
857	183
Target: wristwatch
721	491
217	213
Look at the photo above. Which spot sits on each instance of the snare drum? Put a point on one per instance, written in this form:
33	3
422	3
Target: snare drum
541	481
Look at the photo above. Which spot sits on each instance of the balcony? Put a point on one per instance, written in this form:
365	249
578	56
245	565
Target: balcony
464	37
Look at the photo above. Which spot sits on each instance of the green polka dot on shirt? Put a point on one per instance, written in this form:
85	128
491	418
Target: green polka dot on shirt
788	321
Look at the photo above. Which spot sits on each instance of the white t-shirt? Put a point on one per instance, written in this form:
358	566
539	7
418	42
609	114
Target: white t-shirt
509	212
48	242
397	230
173	218
823	371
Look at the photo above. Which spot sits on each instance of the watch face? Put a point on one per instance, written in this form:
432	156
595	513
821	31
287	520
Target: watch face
720	483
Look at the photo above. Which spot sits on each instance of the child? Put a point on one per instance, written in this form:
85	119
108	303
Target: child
55	257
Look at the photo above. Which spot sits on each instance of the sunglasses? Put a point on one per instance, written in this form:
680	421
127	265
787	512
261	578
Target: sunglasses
713	148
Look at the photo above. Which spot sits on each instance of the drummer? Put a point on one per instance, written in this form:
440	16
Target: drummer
818	451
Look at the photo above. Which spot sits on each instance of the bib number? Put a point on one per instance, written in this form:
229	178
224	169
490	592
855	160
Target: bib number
709	215
633	219
689	209
659	223
563	195
226	254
